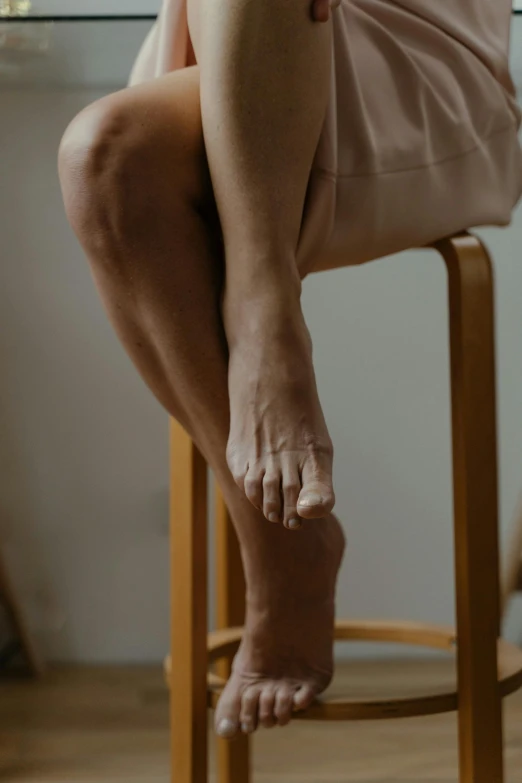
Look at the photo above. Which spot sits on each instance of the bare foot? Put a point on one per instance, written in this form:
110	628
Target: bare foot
279	450
285	659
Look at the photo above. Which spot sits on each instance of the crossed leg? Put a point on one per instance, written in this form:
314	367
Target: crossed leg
138	193
264	82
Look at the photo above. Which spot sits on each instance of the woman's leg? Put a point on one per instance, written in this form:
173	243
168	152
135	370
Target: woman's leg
137	192
265	76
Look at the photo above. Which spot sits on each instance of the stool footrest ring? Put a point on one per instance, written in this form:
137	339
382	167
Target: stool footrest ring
224	643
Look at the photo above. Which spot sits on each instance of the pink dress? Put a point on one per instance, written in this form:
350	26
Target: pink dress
420	135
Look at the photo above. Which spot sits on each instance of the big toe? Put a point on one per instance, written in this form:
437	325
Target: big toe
316	498
226	719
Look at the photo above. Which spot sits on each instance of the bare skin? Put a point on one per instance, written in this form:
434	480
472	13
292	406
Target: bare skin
260	160
138	193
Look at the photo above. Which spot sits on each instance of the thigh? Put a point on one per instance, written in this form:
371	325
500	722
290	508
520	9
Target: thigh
168	111
162	118
173	101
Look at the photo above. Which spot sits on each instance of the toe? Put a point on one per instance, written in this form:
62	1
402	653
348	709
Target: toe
226	720
291	489
248	717
303	697
272	496
254	488
284	702
266	706
316	498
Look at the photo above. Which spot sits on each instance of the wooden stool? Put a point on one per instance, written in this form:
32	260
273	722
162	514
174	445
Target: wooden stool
488	668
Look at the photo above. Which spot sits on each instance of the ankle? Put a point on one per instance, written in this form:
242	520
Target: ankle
262	277
268	305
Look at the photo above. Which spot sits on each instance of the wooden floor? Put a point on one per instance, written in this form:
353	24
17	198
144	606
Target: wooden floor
110	724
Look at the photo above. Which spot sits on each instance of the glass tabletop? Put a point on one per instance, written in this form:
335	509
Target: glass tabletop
101	17
29	11
94	50
53	52
77	18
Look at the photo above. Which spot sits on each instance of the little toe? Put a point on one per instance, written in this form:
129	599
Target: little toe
272	496
316	498
284	703
248	717
266	707
291	489
303	697
226	720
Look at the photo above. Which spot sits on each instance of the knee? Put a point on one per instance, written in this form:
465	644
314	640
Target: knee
100	164
120	163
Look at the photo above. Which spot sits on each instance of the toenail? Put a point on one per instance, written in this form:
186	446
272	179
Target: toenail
311	500
294	524
247	728
226	728
273	517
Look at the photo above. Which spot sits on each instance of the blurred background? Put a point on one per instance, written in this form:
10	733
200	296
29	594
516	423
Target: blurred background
83	445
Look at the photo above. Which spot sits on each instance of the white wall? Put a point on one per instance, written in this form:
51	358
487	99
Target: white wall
83	447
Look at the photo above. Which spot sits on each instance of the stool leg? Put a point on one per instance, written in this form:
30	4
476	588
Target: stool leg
475	507
188	678
233	757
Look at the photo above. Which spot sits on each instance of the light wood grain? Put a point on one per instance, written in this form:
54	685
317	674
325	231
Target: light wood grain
475	495
188	533
111	725
233	758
